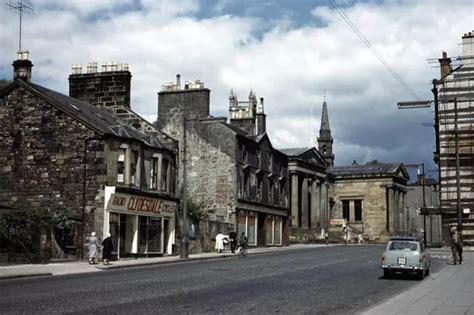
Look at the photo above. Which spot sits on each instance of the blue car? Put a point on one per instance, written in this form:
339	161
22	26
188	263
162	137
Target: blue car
406	255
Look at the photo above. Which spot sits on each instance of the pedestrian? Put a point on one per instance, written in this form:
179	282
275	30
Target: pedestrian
233	241
326	236
243	241
94	245
219	242
456	245
349	236
359	238
107	249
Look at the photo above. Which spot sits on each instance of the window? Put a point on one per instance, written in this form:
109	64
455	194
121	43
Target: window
358	210
259	187
270	190
154	173
345	210
270	162
246	184
164	174
244	155
259	158
121	166
134	180
283	194
325	149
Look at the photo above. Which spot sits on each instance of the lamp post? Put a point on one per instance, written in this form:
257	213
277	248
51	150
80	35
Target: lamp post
421	104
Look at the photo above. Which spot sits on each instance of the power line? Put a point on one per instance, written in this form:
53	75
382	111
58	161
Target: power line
372	49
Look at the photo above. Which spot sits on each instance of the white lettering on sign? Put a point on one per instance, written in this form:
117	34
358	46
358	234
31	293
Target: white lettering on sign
122	202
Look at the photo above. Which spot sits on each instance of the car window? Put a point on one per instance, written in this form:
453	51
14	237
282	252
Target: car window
403	245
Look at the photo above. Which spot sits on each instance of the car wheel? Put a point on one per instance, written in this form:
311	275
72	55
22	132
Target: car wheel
386	273
420	274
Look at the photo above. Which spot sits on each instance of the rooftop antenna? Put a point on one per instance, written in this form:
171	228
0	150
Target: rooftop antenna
20	6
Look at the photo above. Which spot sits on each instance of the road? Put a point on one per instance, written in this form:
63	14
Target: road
327	280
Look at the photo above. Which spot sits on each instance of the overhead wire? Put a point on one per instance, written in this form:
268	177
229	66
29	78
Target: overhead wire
367	43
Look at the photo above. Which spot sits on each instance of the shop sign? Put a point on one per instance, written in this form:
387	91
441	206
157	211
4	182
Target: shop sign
338	222
133	203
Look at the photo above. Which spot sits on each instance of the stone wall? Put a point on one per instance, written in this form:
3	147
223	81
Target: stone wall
373	193
42	159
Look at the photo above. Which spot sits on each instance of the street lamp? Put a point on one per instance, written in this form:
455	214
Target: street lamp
423	104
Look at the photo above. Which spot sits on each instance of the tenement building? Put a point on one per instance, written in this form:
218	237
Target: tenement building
309	187
62	154
454	116
235	179
369	200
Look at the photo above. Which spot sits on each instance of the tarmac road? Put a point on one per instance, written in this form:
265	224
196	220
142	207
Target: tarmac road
326	280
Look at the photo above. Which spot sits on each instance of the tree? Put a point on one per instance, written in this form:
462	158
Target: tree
373	162
3	83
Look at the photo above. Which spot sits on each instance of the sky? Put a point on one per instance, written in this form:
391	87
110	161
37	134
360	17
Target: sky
294	53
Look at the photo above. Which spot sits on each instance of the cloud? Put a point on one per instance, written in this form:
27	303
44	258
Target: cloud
288	62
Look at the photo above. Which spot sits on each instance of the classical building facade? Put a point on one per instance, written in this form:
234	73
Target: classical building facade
59	153
454	115
235	179
309	185
368	199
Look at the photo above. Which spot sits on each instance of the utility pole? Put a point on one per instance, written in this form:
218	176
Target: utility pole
424	202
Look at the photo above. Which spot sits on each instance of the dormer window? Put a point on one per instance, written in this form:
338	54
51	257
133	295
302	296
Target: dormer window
154	173
325	149
121	166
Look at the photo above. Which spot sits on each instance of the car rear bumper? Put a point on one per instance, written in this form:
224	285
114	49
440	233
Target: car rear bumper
403	269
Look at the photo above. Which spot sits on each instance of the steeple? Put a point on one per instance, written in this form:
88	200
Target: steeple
325	139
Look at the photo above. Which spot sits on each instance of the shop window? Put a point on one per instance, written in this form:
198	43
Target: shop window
345	210
358	210
252	230
121	166
134	169
164	174
269	231
154	173
277	229
242	223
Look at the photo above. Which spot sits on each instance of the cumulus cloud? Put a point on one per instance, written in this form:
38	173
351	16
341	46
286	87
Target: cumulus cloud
287	62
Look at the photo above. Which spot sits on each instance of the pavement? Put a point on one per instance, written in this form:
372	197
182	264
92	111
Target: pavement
450	291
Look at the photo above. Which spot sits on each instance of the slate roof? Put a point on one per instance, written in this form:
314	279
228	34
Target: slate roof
98	119
377	169
294	151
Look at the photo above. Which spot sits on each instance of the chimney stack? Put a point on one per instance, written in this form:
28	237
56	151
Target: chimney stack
261	119
445	65
178	81
468	48
22	66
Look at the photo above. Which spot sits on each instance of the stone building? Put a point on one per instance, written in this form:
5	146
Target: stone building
236	180
59	153
309	187
454	113
369	199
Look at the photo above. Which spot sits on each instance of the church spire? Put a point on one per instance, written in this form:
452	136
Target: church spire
325	139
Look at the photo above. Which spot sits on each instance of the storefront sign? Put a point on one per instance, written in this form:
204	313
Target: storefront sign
338	222
133	203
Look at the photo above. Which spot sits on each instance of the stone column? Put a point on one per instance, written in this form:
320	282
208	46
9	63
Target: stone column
304	204
315	204
294	201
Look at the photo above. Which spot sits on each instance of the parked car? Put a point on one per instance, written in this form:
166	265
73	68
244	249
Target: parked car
406	255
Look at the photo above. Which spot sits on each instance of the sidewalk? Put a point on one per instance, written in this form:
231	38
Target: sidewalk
451	291
53	269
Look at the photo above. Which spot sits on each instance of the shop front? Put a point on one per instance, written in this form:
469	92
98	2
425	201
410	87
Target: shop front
261	229
140	225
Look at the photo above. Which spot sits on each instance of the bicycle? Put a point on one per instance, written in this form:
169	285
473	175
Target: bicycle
242	251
